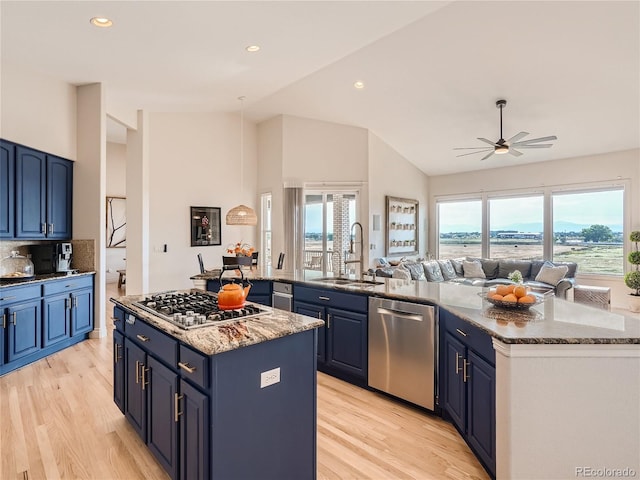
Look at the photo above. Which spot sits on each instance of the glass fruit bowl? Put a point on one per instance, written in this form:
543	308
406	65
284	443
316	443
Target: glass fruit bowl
15	267
512	305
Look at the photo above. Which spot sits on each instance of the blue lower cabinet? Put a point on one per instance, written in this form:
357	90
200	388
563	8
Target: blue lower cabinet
24	329
347	341
81	311
118	369
315	311
135	395
56	319
194	433
468	386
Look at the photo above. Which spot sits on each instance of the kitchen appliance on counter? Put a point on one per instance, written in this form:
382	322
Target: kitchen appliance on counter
52	257
195	309
402	350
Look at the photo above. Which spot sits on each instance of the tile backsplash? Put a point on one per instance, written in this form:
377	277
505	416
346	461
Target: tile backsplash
84	251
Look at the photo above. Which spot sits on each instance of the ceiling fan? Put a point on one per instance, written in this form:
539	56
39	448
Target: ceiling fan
503	146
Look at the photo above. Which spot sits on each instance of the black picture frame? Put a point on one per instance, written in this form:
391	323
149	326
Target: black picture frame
205	226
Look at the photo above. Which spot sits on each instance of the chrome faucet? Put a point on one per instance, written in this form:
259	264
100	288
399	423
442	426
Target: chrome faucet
352	249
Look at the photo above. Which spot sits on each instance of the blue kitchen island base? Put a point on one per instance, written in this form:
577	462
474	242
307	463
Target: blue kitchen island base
242	406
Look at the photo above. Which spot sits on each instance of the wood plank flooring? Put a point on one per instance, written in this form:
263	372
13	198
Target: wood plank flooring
58	421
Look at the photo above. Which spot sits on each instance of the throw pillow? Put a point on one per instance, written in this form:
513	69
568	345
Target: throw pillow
489	267
473	269
457	266
551	274
416	270
402	272
432	271
448	272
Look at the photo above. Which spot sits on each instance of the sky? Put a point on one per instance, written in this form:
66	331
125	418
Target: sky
605	208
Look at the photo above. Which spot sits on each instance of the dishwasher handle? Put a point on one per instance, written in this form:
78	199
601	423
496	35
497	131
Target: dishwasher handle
400	314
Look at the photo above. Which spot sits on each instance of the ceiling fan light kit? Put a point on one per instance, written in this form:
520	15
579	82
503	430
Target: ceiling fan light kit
510	146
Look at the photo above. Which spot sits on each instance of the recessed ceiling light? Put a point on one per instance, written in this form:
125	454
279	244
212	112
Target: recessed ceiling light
252	48
102	22
359	85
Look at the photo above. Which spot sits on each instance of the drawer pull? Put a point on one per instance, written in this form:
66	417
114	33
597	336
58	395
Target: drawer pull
8	298
70	285
176	406
4	320
328	320
185	366
142	338
324	298
43	228
13	315
461	332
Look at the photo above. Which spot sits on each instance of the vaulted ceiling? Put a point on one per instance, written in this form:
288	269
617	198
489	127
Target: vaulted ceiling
432	71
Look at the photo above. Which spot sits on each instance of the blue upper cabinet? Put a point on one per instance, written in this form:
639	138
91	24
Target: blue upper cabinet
31	198
7	189
43	195
59	197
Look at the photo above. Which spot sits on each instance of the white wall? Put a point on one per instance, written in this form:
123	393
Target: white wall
614	167
38	111
116	187
391	174
194	160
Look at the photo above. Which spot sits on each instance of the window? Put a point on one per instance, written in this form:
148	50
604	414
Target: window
265	240
516	227
588	230
459	229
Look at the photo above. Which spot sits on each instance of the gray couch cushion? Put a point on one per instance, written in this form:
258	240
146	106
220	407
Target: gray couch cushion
448	272
457	266
551	274
489	267
572	268
536	265
416	270
473	269
505	267
432	271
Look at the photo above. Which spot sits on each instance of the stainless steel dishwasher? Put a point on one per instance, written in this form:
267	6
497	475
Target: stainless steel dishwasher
402	350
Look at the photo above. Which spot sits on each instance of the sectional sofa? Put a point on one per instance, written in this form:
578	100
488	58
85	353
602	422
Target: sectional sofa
540	275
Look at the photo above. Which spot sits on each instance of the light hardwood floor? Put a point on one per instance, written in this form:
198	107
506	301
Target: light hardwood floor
58	420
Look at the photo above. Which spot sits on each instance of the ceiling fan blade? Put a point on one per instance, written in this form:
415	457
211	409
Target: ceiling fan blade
515	153
517	137
487	141
487	156
541	139
471	153
472	148
543	145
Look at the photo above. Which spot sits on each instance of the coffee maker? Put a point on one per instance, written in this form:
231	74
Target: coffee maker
52	258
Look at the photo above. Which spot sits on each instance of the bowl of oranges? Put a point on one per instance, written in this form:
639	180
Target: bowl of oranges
516	297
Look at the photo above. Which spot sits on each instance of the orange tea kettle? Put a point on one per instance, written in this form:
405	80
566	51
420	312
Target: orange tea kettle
232	296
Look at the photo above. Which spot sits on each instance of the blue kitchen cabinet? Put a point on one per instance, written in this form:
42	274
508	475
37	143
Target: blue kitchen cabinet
68	308
118	369
135	398
194	433
343	341
43	195
24	329
7	189
56	319
81	311
467	391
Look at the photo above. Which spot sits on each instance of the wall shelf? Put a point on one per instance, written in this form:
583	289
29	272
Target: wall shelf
401	232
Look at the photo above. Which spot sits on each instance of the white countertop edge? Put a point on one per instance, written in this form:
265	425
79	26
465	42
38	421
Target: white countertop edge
560	350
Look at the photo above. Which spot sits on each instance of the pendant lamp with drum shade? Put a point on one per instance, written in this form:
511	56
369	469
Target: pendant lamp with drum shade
241	215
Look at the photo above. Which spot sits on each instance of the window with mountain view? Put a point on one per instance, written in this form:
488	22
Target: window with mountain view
588	230
460	229
516	227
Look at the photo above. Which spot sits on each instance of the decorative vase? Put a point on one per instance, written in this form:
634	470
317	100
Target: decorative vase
634	303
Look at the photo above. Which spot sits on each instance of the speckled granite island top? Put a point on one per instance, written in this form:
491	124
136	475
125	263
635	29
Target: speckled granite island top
215	339
554	321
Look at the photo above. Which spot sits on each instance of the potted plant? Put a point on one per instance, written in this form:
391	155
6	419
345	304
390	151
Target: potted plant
632	278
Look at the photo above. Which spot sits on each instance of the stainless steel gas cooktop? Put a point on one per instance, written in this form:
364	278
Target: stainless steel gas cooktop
195	309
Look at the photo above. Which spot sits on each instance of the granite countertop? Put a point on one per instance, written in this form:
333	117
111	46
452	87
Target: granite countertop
226	336
554	321
42	278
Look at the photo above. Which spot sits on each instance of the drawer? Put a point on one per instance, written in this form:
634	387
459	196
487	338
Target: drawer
118	319
470	335
67	284
331	298
157	343
194	367
19	294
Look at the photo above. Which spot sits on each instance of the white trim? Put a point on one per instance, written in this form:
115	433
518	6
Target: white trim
556	350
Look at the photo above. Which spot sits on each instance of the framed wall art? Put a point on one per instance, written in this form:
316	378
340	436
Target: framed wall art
401	233
205	226
116	222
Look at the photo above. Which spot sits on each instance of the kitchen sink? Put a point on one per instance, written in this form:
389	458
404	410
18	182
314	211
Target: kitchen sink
346	281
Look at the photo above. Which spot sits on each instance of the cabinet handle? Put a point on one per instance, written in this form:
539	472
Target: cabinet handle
324	298
74	301
51	229
143	338
458	357
43	228
176	406
8	298
320	315
4	320
186	367
13	315
328	320
66	304
461	332
137	372
465	377
116	357
144	379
